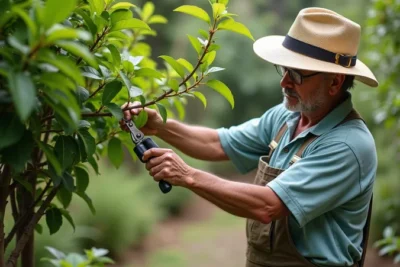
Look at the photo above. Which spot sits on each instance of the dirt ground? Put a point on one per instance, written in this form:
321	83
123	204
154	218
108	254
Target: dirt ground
203	236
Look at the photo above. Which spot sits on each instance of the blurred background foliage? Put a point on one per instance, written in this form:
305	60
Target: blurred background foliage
127	202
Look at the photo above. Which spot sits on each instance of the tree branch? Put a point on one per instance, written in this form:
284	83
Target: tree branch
22	219
97	90
12	260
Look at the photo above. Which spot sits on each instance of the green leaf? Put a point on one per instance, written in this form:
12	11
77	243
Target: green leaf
218	9
39	228
11	129
221	88
68	182
50	156
94	165
88	201
115	110
201	97
110	91
175	65
58	32
66	215
25	17
88	142
63	63
82	94
120	15
66	107
19	153
78	50
194	11
66	151
150	73
133	91
88	21
115	55
121	5
147	11
157	19
204	33
210	57
96	6
82	179
195	43
179	107
141	119
129	24
53	220
92	73
186	64
23	92
173	84
64	196
213	47
115	152
231	25
56	11
163	112
57	80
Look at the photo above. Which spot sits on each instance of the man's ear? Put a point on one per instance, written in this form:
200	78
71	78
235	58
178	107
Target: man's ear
336	84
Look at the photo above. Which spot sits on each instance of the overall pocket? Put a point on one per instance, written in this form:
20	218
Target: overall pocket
260	235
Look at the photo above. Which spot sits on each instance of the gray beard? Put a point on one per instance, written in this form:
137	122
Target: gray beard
312	105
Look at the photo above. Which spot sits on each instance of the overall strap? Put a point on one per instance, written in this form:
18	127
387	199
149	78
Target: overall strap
274	143
366	235
353	115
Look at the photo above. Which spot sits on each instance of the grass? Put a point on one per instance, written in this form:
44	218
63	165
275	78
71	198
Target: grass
204	244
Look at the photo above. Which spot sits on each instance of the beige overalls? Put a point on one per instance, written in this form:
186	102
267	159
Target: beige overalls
270	245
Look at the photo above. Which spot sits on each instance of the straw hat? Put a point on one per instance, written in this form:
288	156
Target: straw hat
319	40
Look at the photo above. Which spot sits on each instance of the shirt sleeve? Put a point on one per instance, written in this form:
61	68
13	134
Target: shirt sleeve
245	143
323	180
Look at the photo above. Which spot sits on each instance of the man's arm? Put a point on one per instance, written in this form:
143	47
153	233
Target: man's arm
195	141
241	199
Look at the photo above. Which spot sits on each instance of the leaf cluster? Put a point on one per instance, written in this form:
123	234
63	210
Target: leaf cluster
66	68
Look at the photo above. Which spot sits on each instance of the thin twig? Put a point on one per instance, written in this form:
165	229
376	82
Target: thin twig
14	209
97	90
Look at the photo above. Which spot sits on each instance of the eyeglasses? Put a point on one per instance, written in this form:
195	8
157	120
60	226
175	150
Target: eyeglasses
294	75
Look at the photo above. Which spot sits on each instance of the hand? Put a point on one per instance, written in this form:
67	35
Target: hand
154	120
166	165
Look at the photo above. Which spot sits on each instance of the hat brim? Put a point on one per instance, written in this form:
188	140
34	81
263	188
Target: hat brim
270	49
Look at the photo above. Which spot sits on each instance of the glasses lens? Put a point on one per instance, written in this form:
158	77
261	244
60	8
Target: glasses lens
281	70
296	77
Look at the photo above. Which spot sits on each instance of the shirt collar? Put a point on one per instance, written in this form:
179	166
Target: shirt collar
328	122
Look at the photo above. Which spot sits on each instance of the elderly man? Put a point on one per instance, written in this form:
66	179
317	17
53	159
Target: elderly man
316	158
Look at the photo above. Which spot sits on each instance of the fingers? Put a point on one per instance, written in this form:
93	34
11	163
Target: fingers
155	152
128	113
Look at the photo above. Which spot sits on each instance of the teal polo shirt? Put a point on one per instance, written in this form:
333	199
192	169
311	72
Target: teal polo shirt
327	191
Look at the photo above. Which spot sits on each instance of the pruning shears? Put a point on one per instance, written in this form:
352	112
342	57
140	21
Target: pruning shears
142	144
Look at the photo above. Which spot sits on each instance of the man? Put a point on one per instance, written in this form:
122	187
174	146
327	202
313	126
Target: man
316	158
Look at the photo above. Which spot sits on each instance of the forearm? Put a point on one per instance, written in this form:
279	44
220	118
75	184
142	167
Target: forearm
240	199
196	141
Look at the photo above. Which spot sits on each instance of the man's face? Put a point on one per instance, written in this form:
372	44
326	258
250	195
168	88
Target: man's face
308	97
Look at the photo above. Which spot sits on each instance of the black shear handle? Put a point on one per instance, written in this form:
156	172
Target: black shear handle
142	147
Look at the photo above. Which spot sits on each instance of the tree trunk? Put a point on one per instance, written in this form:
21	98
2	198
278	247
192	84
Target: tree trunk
5	178
26	200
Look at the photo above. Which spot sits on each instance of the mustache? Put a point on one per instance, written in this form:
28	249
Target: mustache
290	92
